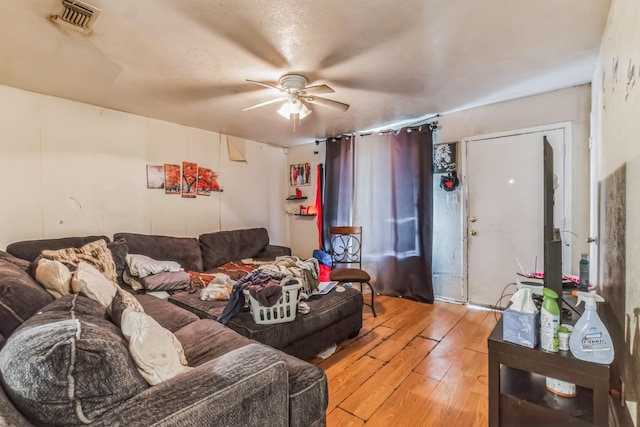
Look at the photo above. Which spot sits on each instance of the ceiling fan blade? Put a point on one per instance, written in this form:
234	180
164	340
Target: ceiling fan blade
318	90
262	104
324	102
264	84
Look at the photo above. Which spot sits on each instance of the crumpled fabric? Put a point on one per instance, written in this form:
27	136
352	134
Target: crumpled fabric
304	270
236	299
267	294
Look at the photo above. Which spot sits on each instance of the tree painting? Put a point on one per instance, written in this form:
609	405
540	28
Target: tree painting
207	182
204	181
189	179
172	179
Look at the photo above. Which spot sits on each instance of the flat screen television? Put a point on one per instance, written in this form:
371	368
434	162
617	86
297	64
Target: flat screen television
552	241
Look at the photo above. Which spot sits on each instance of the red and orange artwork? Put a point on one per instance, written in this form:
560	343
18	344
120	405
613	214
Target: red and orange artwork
189	179
204	181
172	179
208	181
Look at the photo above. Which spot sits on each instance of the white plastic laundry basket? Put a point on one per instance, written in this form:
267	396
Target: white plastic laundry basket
283	311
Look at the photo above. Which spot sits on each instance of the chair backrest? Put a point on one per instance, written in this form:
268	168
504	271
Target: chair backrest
346	246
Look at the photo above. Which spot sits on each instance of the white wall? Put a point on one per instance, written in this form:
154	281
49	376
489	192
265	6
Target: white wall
564	105
70	168
303	231
616	112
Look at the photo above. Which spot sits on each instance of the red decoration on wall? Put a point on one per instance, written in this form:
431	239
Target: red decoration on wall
318	206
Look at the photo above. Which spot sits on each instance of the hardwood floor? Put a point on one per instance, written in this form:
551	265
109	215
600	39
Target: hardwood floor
413	365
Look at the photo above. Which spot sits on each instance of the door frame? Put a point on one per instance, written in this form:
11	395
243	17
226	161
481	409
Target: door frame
567	184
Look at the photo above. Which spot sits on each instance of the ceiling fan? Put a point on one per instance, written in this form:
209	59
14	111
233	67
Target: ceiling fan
294	90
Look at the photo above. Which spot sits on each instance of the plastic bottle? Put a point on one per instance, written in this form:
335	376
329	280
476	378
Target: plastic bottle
549	321
584	272
590	339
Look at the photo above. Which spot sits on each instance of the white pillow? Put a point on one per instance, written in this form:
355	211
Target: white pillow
150	347
54	276
142	266
90	281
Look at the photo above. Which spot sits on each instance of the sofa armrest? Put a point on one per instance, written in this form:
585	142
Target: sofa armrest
247	386
273	251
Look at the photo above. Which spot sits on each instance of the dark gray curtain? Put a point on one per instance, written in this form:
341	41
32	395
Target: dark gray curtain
393	202
338	186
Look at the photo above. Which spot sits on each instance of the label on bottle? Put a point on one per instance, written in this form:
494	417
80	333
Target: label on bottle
549	331
595	341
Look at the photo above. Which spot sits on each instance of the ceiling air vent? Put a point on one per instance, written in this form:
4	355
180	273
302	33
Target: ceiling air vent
77	15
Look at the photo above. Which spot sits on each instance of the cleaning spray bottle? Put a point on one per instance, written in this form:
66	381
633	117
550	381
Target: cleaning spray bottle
549	321
590	339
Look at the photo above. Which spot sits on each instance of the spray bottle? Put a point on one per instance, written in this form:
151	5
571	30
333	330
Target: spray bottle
549	321
590	339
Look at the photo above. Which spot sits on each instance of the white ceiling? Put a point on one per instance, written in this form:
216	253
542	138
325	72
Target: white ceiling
186	61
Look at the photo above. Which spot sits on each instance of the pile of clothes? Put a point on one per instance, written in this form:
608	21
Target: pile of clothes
265	284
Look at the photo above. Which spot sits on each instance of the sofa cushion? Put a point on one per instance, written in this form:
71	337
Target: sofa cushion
224	246
206	340
168	315
119	250
20	296
31	249
19	262
325	311
49	364
184	250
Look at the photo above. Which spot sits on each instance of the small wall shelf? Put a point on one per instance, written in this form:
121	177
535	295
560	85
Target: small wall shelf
305	214
296	198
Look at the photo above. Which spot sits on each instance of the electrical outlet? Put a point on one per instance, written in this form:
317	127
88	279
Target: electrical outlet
452	198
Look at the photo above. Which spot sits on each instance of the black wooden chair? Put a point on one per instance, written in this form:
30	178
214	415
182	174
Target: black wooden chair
346	253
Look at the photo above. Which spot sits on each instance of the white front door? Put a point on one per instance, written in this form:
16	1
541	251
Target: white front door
504	209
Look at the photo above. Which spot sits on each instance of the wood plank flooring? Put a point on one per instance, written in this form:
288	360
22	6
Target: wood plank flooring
413	365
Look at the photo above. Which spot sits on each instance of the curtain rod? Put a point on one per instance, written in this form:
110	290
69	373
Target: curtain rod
431	122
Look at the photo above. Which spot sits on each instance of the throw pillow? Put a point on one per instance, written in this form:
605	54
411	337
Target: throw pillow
64	367
119	250
150	347
121	301
178	346
166	281
142	266
54	276
94	253
90	282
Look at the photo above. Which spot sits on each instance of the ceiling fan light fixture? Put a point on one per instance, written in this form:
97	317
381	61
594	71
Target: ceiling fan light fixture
294	109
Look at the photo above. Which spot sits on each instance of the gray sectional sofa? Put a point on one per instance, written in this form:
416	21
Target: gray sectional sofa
53	374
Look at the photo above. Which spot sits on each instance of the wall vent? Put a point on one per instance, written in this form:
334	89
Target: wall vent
77	15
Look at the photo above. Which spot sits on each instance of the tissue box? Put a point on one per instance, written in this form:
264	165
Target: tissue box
521	328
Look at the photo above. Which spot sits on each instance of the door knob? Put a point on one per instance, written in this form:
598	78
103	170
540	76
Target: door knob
473	232
592	240
473	219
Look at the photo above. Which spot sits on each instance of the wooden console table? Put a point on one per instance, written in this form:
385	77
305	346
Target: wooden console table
517	387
